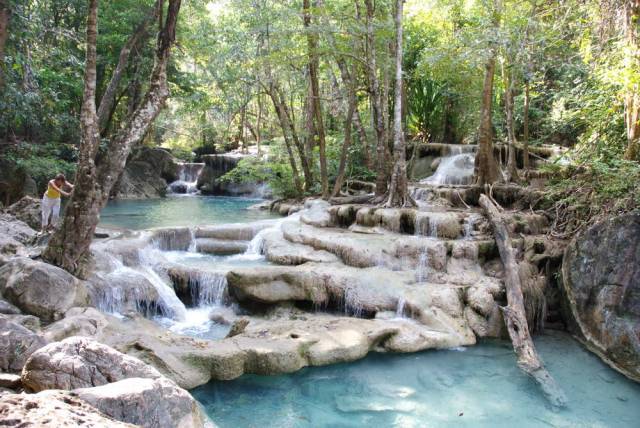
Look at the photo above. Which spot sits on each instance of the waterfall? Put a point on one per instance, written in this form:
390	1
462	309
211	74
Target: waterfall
400	308
351	305
469	225
456	169
422	269
208	288
188	174
149	257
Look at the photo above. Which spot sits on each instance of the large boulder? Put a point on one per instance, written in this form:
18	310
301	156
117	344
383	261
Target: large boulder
217	165
17	343
14	236
79	362
148	403
601	277
146	175
27	210
40	289
52	408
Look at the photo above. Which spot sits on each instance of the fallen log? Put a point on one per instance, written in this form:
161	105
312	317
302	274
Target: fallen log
514	313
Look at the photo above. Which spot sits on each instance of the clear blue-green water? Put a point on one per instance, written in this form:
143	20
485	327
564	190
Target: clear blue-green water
180	211
478	387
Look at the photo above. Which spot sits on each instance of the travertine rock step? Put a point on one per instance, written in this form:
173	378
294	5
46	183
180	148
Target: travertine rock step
220	247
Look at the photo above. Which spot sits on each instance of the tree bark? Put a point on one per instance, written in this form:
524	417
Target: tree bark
632	98
376	107
286	128
514	313
69	247
486	167
507	78
349	86
107	103
525	126
312	51
398	195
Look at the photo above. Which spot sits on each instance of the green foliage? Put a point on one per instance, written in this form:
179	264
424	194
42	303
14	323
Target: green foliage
42	163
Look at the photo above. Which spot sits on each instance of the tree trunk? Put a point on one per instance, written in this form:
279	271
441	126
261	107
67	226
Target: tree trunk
632	98
486	167
312	50
286	128
507	78
525	125
398	195
5	17
107	103
364	140
69	247
290	122
349	86
376	107
514	313
259	124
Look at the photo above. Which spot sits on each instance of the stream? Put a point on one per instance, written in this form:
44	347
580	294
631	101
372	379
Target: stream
477	386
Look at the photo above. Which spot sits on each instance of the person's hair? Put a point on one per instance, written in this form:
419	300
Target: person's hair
60	177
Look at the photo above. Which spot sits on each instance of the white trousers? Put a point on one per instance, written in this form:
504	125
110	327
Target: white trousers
50	209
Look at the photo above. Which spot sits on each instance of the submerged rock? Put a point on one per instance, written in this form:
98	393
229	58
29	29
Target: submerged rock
52	408
601	277
41	289
145	402
17	343
79	362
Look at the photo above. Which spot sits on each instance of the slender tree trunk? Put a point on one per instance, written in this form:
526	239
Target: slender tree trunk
312	50
349	86
525	126
486	168
286	129
398	195
375	98
507	78
107	103
259	125
5	17
69	247
364	140
290	121
632	98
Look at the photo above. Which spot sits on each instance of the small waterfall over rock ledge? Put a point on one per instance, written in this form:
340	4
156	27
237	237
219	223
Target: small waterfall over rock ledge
188	174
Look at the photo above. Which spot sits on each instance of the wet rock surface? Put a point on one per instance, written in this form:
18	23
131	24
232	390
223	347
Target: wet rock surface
601	277
146	175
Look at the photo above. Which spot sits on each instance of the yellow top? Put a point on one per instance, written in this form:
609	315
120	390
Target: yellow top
52	193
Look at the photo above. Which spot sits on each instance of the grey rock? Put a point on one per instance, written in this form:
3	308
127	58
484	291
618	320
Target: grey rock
79	362
601	278
152	403
17	343
52	408
27	210
9	380
8	309
146	175
40	289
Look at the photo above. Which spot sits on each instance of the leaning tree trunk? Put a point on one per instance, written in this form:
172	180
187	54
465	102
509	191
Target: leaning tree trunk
398	194
632	99
108	101
69	247
514	313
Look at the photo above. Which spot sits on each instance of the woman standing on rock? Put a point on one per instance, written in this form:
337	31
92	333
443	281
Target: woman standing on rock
51	201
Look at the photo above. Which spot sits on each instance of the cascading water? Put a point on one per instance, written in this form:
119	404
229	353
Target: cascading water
469	225
422	269
400	308
187	181
208	288
456	169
